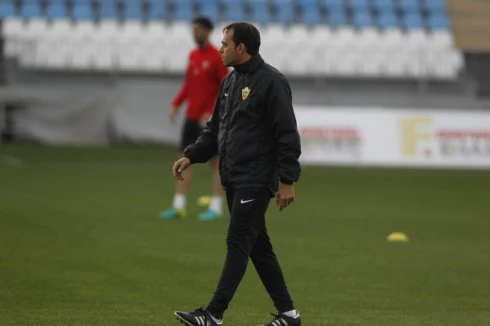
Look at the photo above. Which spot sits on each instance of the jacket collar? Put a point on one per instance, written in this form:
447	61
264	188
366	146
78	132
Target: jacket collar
251	65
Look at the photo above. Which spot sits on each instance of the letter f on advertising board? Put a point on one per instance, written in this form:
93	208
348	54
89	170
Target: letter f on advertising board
412	134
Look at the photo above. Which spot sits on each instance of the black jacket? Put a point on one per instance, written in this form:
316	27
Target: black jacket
253	128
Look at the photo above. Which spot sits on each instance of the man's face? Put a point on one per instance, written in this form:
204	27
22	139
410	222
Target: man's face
230	53
201	35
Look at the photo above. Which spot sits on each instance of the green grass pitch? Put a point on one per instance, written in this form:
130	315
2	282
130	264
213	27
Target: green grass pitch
81	244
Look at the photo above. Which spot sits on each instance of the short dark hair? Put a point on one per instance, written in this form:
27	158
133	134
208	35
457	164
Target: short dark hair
204	22
247	34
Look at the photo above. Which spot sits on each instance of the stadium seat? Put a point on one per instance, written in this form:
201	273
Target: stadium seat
178	35
413	20
362	19
35	30
416	39
157	9
321	34
410	6
435	6
7	9
285	11
13	29
337	18
108	9
308	4
61	28
441	39
360	5
391	39
133	10
388	19
311	17
234	15
260	12
298	34
438	22
30	9
55	10
211	11
109	30
133	31
183	10
234	10
204	3
333	5
273	33
84	30
383	5
82	11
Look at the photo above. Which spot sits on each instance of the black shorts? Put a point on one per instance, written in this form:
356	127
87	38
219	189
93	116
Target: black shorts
190	132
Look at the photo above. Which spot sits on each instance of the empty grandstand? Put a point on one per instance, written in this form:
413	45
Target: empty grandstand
404	39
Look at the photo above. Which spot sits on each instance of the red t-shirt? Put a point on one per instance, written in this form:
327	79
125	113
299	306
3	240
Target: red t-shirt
204	74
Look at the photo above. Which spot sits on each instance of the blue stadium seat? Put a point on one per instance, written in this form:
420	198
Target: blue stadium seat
157	9
362	19
438	22
311	17
7	9
82	11
211	11
333	5
260	17
56	10
410	5
204	3
361	5
383	5
388	19
133	10
260	12
234	14
284	11
435	5
337	18
30	9
413	20
183	10
308	4
108	9
234	10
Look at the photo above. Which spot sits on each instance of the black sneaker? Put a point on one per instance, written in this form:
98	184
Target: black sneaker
283	320
199	317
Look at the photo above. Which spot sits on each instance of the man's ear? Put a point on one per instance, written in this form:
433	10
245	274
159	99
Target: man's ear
241	49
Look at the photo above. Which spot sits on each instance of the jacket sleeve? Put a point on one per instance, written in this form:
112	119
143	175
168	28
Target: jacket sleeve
283	122
206	145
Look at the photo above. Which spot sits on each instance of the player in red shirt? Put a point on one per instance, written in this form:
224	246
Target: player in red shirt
203	78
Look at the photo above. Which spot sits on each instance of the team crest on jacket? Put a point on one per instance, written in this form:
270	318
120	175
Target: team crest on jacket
245	93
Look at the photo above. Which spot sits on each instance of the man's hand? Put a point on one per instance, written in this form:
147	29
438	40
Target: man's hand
173	113
179	166
284	195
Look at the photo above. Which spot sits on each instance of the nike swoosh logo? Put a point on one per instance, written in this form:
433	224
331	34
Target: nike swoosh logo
246	201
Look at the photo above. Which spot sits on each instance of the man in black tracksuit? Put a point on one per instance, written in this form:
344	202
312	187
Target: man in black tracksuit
253	128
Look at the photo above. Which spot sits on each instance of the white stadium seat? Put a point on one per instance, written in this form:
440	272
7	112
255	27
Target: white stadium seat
296	50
